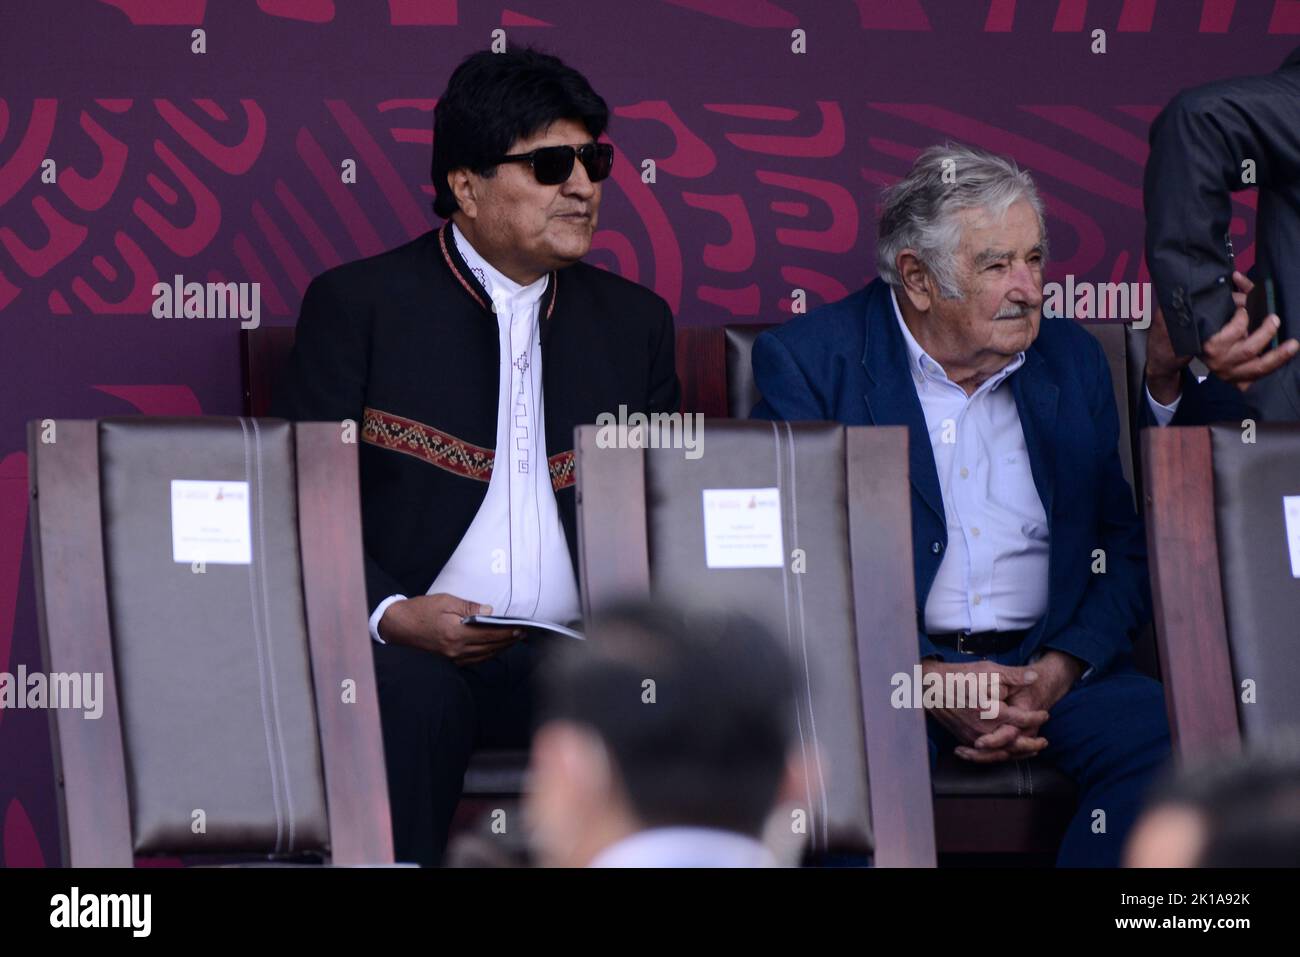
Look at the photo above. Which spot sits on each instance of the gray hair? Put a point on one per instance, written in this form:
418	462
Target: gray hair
919	211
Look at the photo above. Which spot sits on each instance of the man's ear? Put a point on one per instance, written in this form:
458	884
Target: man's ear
916	280
462	183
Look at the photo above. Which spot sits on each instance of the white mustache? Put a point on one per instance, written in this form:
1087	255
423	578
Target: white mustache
1018	312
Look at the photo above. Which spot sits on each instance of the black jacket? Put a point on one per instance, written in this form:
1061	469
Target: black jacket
406	345
1199	143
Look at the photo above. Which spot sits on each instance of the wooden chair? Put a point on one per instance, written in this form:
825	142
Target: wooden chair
846	613
1225	585
493	775
978	810
263	354
239	707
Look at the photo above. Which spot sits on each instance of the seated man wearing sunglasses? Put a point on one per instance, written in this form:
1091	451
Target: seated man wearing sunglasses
467	357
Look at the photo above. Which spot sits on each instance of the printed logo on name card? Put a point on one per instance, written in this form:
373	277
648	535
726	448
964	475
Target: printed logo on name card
210	523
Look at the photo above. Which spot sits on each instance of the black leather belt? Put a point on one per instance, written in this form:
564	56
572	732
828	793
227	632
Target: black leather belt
981	642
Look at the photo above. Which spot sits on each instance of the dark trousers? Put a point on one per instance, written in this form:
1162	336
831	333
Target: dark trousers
1110	736
434	714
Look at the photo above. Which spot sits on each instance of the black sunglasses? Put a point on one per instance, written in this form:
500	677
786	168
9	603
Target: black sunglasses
553	164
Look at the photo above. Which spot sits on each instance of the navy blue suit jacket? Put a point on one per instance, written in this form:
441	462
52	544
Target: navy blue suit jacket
847	362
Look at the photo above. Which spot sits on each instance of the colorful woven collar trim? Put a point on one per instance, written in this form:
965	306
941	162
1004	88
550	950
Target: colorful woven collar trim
444	450
472	286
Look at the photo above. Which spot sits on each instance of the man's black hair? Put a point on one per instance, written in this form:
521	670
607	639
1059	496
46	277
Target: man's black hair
710	749
493	100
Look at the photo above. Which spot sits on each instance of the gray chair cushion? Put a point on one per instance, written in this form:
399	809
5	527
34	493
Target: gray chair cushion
742	393
1261	597
1034	777
213	669
809	612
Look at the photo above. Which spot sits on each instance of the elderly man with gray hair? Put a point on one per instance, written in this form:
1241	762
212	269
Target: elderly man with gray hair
1029	559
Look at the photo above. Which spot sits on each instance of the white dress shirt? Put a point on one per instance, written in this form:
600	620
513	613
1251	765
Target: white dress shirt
1162	413
514	557
685	847
993	575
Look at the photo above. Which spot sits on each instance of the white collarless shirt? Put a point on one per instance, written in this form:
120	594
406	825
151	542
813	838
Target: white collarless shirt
514	557
993	575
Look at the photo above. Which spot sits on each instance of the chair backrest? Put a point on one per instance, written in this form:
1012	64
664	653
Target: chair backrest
239	712
1225	580
264	353
836	588
742	393
1113	337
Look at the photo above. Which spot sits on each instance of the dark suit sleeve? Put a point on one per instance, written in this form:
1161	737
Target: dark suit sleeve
1210	401
663	390
1116	602
1199	143
1200	404
325	381
787	392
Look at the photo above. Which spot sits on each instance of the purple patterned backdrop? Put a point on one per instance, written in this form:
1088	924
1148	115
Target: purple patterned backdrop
225	165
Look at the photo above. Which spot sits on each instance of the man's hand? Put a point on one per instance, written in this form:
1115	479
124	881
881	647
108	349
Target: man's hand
1235	354
1013	733
1164	366
1057	673
432	622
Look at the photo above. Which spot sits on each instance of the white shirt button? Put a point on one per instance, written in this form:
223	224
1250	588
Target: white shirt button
976	599
965	472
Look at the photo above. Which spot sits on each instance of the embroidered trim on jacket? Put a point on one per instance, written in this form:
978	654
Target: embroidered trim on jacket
562	473
442	242
555	291
552	287
427	444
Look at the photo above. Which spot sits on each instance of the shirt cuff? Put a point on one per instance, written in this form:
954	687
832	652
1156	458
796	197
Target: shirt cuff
1163	414
379	613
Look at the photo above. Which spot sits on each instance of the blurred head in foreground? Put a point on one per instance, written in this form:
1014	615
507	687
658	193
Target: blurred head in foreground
662	721
1242	811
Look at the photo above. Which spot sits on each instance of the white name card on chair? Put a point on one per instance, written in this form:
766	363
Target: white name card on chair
1291	509
210	523
742	528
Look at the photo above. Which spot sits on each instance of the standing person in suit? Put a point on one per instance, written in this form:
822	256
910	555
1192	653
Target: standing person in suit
1029	559
1209	142
467	357
687	779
